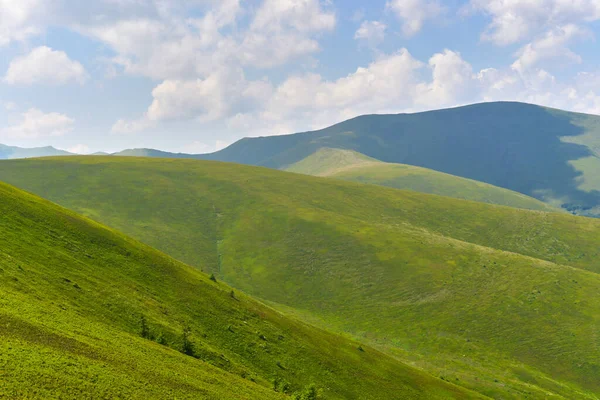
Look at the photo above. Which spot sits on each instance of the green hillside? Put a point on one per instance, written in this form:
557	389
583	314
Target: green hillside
496	299
13	152
352	166
73	295
548	154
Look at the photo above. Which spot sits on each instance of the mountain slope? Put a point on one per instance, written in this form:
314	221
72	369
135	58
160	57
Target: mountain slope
13	152
352	166
548	154
496	299
72	297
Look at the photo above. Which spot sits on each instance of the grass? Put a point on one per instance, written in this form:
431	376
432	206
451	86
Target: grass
352	166
73	294
495	299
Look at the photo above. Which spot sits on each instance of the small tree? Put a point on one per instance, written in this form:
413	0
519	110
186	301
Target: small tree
213	277
187	345
144	328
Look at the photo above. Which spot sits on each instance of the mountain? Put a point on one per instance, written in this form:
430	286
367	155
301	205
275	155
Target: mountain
548	154
87	312
499	300
13	152
352	166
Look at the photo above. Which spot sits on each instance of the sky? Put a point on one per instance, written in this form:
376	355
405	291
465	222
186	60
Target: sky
196	75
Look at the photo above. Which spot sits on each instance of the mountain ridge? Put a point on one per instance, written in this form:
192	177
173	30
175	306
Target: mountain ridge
14	152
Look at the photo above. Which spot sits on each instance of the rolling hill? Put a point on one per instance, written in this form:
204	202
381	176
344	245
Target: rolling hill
352	166
13	152
87	312
495	299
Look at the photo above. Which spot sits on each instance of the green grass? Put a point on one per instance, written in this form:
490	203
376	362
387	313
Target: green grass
495	299
352	166
72	296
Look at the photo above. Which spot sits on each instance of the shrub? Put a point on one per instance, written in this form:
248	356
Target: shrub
187	345
144	328
309	393
280	385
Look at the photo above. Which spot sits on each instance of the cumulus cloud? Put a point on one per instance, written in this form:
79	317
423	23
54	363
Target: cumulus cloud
170	45
45	66
371	32
552	45
34	123
414	13
452	79
221	94
517	20
21	19
300	15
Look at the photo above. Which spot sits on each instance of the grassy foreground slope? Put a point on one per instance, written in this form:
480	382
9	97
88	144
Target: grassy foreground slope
352	166
496	299
72	297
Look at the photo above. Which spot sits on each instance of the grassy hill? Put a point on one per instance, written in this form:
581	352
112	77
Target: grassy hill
13	152
73	294
352	166
496	299
548	154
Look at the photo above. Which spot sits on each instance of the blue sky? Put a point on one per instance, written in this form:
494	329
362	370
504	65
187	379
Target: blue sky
196	75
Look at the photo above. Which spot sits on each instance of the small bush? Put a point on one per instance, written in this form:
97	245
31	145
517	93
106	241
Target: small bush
144	328
281	386
309	393
213	277
187	345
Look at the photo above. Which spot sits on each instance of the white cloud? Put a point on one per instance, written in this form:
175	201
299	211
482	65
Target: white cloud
371	32
387	82
46	66
283	30
517	20
267	51
198	147
20	19
552	45
224	93
300	15
414	13
452	80
170	45
79	149
34	123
